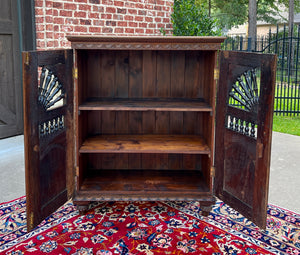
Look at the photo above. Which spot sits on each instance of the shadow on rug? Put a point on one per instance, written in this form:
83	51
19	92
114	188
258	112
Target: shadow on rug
147	228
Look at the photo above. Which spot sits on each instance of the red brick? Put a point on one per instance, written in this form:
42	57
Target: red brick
128	17
139	31
110	23
49	12
68	6
49	35
94	1
94	15
98	9
80	1
56	5
119	30
132	11
71	21
55	12
66	13
149	31
85	7
80	29
122	24
85	22
139	18
118	17
80	14
40	27
119	3
49	27
143	24
49	4
157	19
121	10
110	9
94	29
98	23
39	19
38	3
40	44
65	28
49	19
50	44
129	30
148	19
40	35
106	16
132	24
58	20
106	30
39	11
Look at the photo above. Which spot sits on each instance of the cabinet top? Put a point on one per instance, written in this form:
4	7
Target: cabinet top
146	42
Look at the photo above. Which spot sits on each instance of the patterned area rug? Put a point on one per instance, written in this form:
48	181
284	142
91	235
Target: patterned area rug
147	228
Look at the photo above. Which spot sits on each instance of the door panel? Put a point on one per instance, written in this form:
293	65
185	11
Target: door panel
10	80
244	131
48	132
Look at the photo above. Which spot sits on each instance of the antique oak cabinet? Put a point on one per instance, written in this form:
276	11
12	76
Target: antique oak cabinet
139	118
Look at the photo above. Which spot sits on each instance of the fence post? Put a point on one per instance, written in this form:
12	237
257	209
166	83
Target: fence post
249	44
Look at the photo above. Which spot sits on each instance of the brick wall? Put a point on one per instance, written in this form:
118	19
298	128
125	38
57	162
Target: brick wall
57	18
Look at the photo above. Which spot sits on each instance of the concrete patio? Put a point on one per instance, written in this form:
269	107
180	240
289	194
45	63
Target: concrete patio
284	188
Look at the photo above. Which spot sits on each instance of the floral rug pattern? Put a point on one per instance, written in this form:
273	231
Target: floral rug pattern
148	228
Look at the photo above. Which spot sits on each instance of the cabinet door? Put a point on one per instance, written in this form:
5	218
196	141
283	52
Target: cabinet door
244	131
48	131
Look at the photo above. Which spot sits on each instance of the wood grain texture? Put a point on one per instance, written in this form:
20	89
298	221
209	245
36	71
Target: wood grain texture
174	105
143	184
187	144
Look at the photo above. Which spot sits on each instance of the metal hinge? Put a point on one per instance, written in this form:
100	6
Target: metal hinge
216	73
212	171
75	73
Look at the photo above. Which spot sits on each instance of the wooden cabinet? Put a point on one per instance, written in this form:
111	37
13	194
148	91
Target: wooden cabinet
137	118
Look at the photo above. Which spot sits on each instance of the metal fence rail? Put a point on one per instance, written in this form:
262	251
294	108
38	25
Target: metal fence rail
287	48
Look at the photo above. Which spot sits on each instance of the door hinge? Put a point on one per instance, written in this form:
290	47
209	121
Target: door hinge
212	171
75	73
216	73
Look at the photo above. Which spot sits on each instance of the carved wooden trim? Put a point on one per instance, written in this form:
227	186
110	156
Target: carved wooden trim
146	43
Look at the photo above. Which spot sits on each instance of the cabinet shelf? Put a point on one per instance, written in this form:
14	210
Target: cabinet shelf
146	184
182	144
118	104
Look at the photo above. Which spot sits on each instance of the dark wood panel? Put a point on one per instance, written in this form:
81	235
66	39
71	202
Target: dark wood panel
163	75
11	114
149	74
135	74
177	74
108	74
187	144
122	74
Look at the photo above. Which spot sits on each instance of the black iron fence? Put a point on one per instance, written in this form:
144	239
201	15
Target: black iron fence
287	48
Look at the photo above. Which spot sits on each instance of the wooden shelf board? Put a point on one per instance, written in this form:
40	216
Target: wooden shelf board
142	185
179	144
146	105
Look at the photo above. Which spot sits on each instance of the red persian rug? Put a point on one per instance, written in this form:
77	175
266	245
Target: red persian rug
147	228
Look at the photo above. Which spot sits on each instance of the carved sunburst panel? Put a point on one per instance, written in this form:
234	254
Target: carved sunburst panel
51	92
244	93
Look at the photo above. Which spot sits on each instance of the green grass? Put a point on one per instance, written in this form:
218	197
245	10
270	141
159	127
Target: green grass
287	124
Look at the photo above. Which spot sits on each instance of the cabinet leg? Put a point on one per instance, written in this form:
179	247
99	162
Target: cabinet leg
205	209
82	208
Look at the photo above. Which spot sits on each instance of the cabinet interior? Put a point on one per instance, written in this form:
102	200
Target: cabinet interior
145	122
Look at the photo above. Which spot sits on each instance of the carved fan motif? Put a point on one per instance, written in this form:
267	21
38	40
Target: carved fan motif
51	92
244	93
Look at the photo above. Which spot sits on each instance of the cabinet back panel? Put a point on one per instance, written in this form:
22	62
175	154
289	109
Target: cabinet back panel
146	74
148	161
148	122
